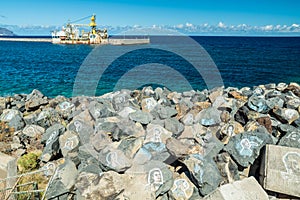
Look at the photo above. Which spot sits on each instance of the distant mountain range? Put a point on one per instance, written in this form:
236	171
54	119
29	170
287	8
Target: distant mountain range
180	29
6	32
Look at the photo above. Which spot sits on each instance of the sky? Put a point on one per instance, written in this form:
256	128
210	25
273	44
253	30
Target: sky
155	12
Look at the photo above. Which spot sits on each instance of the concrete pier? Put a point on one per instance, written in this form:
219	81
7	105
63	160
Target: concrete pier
26	39
111	41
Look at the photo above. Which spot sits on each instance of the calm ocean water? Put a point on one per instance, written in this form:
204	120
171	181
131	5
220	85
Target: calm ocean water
241	61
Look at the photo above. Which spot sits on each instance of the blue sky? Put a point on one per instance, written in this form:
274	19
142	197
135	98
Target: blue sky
148	13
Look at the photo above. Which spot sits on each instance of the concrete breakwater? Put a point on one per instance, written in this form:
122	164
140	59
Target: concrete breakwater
159	144
113	41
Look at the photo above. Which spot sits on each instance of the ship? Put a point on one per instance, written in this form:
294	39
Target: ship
72	34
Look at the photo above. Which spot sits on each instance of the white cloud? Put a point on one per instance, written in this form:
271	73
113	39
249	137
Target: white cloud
268	27
189	25
179	26
221	25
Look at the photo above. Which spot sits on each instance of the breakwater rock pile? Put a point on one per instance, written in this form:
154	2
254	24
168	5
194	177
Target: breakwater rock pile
152	143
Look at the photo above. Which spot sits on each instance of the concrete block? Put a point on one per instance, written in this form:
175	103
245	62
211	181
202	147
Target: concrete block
280	170
246	189
4	163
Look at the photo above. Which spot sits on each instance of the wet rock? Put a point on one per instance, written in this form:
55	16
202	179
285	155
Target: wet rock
141	117
13	118
174	126
63	181
205	172
208	117
286	115
245	147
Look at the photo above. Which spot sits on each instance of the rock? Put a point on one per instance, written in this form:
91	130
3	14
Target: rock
258	104
47	117
210	144
177	148
35	100
114	159
188	119
98	110
245	147
64	180
293	103
237	95
152	151
4	164
164	112
120	101
245	189
291	139
13	118
130	146
182	188
227	167
208	117
266	122
100	140
215	93
156	133
293	87
83	125
69	142
274	102
225	116
241	115
286	115
205	173
51	141
281	86
141	117
174	126
148	104
157	178
126	111
33	131
280	170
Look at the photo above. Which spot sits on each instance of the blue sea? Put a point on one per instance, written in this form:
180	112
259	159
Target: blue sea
179	63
